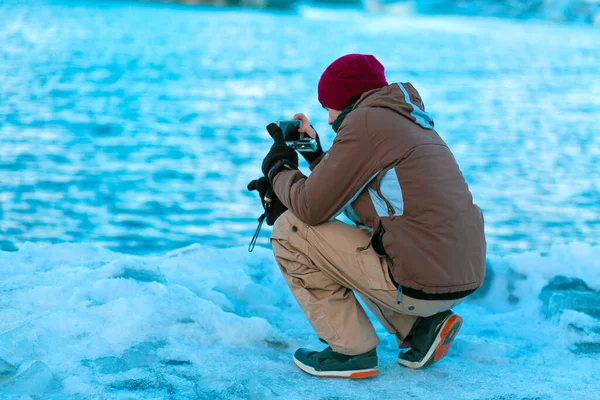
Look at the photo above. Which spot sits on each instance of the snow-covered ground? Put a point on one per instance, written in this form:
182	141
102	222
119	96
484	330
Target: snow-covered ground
78	321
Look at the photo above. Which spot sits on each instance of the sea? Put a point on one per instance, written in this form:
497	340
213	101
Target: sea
136	126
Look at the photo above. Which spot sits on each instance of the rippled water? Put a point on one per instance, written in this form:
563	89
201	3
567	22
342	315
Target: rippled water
137	126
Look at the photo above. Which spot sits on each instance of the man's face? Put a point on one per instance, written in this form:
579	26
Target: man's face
333	114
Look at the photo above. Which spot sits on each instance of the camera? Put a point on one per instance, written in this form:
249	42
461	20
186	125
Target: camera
294	138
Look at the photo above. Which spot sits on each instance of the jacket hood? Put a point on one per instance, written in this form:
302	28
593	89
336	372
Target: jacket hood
402	98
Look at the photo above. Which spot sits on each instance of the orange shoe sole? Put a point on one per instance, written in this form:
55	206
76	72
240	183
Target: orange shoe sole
336	374
447	335
440	346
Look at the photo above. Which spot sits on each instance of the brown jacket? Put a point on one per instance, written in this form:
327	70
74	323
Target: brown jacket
389	170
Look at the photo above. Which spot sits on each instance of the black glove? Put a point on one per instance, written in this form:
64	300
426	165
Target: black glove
280	156
312	156
275	207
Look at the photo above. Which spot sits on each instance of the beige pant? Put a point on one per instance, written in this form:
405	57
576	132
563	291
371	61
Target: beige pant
325	265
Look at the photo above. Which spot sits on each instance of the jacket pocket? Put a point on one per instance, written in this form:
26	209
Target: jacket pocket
374	269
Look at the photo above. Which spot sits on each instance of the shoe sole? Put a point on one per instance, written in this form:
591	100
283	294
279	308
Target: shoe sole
356	374
441	344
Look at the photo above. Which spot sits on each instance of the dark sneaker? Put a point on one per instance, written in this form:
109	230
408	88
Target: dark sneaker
431	339
328	363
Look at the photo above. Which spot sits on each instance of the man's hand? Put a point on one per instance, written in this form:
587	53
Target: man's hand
310	131
306	126
273	208
280	154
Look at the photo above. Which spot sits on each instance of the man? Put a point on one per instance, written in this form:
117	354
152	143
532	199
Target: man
418	248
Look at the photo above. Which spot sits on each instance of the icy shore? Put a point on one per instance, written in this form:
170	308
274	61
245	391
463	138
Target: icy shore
78	321
587	11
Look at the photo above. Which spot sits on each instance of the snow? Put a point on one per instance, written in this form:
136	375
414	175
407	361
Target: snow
79	321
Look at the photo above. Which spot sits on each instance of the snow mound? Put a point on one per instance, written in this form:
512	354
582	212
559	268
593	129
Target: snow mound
78	321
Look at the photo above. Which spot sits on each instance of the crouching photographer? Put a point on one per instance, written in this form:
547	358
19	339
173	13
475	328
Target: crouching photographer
417	248
296	134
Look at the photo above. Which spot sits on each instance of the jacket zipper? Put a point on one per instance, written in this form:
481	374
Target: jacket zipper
390	208
399	295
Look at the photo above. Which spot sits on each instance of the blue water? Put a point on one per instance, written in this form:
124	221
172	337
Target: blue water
137	126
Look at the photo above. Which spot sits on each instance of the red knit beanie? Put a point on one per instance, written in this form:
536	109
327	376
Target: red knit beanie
347	78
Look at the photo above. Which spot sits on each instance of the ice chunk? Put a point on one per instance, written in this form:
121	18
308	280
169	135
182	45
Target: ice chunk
36	380
6	370
569	293
138	270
